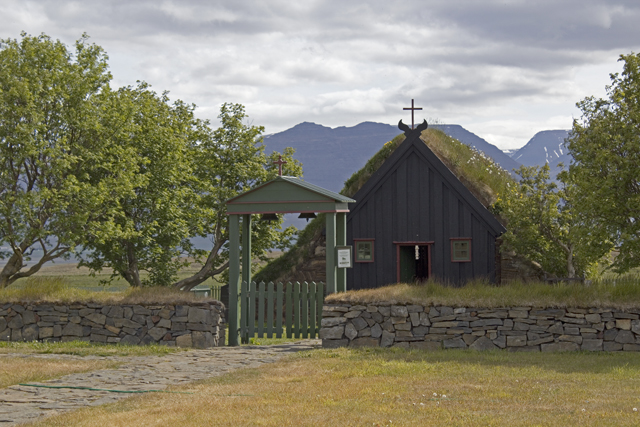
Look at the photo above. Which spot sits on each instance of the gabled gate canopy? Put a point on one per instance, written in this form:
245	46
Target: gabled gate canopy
284	194
288	194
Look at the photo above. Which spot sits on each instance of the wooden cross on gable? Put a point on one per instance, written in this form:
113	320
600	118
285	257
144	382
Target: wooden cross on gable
279	162
412	110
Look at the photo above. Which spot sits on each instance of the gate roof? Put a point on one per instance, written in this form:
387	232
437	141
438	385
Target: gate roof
288	194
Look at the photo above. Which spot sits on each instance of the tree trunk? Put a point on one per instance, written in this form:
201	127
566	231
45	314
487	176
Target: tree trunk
571	269
132	274
13	266
12	271
206	271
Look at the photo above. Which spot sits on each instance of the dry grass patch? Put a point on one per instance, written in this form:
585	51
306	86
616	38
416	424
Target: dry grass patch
622	294
84	348
17	370
396	387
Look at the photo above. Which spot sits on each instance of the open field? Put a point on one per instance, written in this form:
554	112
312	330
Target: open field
396	387
81	277
16	370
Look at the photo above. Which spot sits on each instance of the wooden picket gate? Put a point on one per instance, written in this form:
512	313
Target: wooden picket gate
262	306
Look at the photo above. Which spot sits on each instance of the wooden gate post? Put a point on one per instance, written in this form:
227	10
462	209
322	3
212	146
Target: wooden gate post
331	251
234	279
341	240
246	248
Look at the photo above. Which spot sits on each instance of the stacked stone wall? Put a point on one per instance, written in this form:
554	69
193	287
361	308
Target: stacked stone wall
510	328
197	325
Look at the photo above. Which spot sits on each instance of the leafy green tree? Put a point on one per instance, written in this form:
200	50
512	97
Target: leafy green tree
155	218
543	226
229	163
126	175
60	178
185	172
605	145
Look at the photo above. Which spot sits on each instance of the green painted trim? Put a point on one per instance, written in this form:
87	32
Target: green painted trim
279	298
270	309
251	312
289	313
261	301
320	303
244	309
304	310
286	207
341	240
296	309
313	294
246	248
330	222
234	278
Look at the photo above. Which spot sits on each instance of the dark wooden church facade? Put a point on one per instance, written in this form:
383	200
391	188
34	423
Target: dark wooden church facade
415	220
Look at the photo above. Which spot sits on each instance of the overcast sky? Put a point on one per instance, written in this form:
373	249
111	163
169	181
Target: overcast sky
502	69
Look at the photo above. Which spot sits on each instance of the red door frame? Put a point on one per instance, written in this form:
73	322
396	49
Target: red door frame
398	244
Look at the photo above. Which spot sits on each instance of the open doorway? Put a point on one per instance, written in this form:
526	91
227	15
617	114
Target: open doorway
413	261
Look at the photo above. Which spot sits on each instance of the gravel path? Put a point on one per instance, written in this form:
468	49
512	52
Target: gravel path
23	404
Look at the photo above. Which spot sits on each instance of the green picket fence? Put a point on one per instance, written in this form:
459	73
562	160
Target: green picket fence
264	307
213	291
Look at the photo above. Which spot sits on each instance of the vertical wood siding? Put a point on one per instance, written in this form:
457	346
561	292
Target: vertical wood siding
413	202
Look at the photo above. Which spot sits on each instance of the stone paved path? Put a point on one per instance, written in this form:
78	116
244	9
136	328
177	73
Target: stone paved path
20	404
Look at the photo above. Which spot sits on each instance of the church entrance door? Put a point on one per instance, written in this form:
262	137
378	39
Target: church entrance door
413	261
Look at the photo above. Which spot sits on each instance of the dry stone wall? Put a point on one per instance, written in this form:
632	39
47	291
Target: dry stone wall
510	328
195	325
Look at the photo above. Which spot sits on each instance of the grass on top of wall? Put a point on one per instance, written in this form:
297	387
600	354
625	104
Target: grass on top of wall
624	292
57	290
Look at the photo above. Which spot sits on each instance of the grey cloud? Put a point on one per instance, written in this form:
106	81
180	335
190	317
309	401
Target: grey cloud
315	59
575	24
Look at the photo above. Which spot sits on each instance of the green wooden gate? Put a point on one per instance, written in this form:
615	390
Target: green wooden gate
264	307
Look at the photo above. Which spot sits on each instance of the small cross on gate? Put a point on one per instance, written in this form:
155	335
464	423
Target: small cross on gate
279	162
412	110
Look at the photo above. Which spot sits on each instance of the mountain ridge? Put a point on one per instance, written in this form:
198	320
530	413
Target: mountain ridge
547	146
345	149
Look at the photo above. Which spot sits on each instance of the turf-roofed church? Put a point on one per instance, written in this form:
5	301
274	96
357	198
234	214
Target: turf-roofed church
415	220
